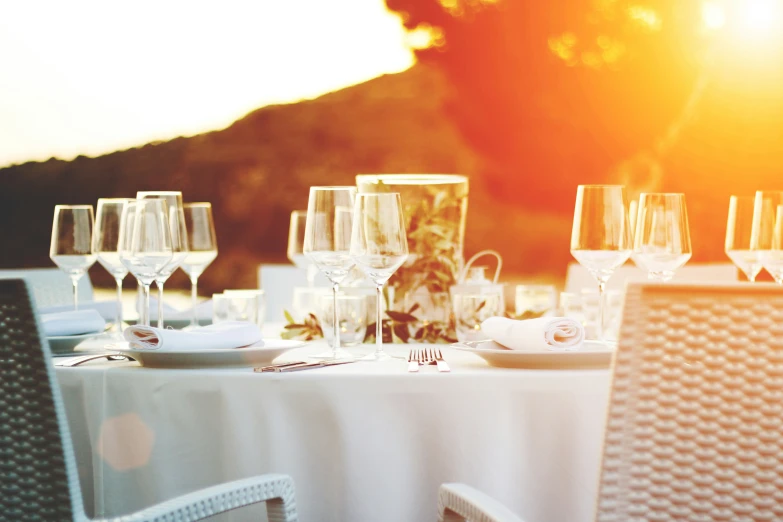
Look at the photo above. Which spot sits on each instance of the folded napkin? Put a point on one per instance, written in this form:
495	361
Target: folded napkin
75	322
107	309
534	335
221	336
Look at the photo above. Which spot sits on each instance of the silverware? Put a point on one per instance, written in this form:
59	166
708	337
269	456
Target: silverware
426	357
442	366
76	361
272	367
297	367
413	360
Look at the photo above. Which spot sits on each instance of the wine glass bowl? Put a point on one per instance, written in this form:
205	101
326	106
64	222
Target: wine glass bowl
202	247
71	243
766	232
327	245
662	241
738	236
379	246
105	245
295	250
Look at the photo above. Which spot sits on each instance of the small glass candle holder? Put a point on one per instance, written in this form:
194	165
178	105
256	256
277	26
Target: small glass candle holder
571	306
351	314
470	310
260	298
234	308
532	301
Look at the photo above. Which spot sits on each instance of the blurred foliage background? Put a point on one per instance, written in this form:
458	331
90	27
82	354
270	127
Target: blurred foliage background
529	99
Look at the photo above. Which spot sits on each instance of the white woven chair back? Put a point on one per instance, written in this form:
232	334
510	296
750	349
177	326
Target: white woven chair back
51	286
695	424
38	480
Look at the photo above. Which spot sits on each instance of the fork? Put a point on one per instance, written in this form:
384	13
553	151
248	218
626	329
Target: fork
442	366
427	357
413	360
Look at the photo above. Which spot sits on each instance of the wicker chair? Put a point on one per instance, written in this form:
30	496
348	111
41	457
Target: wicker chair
695	423
51	286
38	479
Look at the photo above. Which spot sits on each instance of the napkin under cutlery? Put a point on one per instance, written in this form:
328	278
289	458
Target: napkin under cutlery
74	322
221	336
534	335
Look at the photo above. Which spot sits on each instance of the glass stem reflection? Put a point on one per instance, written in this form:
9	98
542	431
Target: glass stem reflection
193	301
119	304
336	347
160	303
379	320
75	282
146	307
599	327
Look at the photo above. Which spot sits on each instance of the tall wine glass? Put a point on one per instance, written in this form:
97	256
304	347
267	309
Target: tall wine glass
71	244
179	241
601	236
145	244
662	240
327	244
105	244
738	233
765	232
202	248
295	252
379	247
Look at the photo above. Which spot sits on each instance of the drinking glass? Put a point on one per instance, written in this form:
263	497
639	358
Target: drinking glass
236	305
295	252
534	300
179	238
202	248
327	245
71	244
145	244
351	314
379	247
105	244
738	233
601	236
662	240
765	237
255	293
470	310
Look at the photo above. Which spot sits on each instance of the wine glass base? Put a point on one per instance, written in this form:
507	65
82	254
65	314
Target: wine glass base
333	355
377	357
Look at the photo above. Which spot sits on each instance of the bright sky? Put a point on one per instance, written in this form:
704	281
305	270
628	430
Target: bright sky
91	76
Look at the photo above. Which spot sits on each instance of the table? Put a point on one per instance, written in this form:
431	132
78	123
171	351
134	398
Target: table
363	441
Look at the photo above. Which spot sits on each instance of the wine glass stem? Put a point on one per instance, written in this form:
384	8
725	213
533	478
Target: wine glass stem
146	288
75	282
160	303
119	304
336	347
599	327
379	320
193	300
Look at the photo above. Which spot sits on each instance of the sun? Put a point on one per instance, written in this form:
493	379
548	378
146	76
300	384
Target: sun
749	17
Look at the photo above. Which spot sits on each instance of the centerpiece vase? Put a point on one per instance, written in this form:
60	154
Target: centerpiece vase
435	208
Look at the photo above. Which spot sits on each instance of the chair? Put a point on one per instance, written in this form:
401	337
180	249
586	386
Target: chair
51	286
695	422
578	277
38	478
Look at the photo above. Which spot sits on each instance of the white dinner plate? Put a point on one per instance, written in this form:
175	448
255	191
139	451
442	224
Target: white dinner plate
253	355
593	354
65	344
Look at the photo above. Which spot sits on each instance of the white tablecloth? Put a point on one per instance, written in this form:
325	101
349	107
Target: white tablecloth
363	441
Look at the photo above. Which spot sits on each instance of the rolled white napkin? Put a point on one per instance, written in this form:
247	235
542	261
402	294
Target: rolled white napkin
221	336
107	309
75	322
534	335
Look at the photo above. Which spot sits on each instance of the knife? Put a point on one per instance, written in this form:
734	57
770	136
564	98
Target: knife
296	367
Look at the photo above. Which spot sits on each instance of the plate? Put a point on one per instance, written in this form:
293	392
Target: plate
253	355
593	354
65	344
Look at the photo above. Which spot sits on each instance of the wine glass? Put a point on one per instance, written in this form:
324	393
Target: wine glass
766	231
738	234
71	244
327	245
296	234
379	247
662	240
105	245
601	236
145	244
179	241
202	247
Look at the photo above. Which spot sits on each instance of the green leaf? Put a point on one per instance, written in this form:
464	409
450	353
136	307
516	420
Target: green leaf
288	317
401	317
